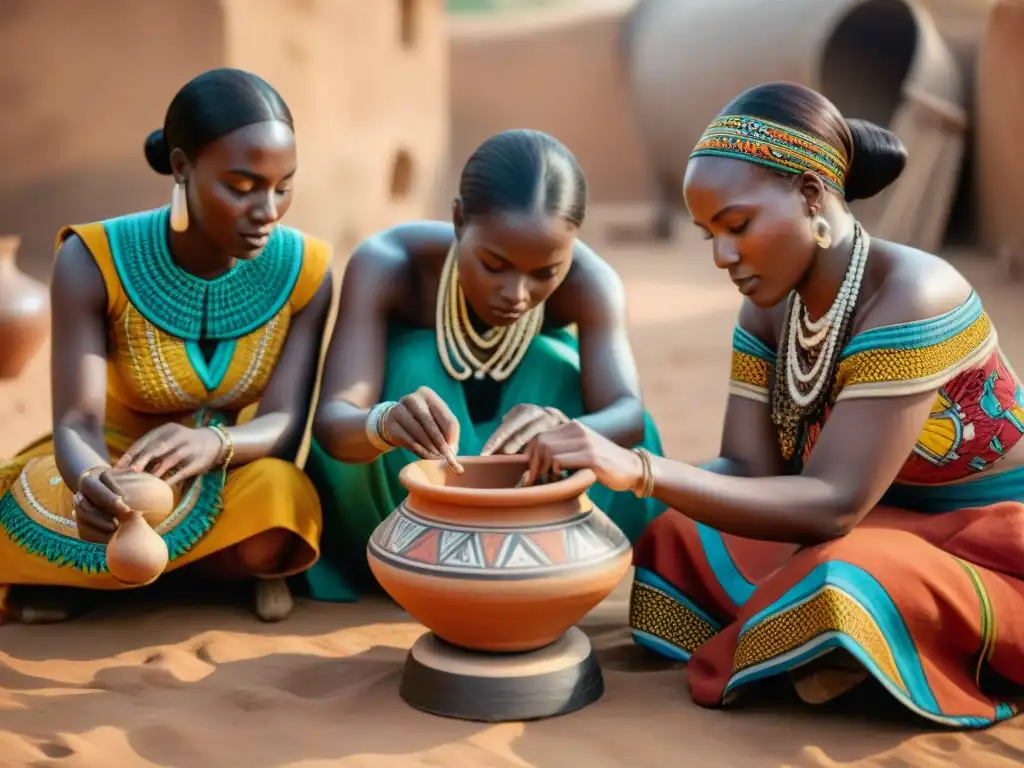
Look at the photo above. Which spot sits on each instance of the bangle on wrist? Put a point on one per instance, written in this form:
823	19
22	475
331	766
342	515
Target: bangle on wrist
227	445
645	487
376	429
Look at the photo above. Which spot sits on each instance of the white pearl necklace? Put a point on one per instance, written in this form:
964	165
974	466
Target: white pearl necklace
826	329
507	345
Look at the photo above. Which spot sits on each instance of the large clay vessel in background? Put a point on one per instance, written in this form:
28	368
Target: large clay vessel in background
880	60
492	568
1000	155
24	312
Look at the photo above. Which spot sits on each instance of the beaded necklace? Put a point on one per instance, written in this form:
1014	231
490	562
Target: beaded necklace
238	302
463	351
809	354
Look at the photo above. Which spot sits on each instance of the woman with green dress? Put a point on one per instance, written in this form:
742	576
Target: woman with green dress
471	338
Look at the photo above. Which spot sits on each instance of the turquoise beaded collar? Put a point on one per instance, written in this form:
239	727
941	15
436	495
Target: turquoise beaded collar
238	302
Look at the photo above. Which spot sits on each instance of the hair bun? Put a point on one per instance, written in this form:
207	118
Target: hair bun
158	154
879	158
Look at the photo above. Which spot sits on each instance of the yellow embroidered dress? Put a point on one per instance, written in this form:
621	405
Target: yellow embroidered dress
157	314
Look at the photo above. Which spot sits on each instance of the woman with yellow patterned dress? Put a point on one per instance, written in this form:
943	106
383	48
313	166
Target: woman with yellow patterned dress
865	517
166	325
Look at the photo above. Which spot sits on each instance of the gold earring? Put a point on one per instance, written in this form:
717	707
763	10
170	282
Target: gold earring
179	208
822	231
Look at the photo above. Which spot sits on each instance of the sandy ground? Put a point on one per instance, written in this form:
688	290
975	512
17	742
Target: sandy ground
158	682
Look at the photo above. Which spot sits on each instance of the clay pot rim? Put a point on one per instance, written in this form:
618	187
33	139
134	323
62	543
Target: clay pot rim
561	490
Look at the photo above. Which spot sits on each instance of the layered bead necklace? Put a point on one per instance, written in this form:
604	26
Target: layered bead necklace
463	351
809	353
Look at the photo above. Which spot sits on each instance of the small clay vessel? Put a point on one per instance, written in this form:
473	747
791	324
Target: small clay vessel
148	495
136	553
24	312
144	493
489	566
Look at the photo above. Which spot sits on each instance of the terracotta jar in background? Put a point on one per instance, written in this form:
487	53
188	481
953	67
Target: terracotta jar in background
24	312
487	566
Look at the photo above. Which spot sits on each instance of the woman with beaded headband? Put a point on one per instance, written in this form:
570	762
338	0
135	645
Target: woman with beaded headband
864	516
455	338
166	325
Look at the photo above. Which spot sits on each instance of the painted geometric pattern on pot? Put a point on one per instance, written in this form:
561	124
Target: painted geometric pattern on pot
479	551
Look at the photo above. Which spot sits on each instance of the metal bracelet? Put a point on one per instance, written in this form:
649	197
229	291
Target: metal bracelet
376	432
646	485
227	445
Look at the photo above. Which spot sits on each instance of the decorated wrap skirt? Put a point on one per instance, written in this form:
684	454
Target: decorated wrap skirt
40	546
930	605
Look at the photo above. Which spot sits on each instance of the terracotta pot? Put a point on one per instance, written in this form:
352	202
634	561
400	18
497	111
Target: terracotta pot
24	312
490	567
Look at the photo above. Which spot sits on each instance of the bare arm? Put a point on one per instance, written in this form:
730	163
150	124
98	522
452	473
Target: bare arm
857	456
276	430
78	362
375	280
860	451
855	459
611	386
750	445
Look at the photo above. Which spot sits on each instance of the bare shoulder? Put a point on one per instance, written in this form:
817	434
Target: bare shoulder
388	259
592	271
424	238
74	257
910	285
76	277
592	291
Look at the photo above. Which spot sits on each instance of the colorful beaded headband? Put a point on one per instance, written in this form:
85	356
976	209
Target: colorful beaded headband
774	146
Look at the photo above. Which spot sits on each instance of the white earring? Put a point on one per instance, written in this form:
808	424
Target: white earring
822	231
179	208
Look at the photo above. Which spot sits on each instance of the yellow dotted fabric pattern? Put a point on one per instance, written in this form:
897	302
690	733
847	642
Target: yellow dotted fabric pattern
654	612
831	610
750	370
875	366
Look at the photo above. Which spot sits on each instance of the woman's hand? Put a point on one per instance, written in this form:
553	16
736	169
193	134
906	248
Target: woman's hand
99	502
520	426
174	452
575	446
423	423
